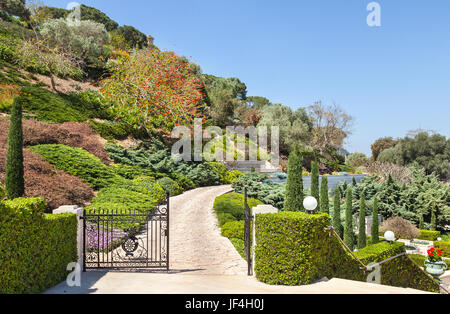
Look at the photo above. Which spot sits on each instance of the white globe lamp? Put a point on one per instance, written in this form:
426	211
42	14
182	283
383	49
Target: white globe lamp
389	236
310	204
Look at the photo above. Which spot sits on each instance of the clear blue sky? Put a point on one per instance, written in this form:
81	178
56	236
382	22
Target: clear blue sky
392	79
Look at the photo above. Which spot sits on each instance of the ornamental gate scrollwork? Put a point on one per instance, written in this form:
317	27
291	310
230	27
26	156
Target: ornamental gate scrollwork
127	238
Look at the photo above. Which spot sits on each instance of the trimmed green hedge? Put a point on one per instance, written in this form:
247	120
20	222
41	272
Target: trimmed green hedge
296	249
444	246
35	248
429	235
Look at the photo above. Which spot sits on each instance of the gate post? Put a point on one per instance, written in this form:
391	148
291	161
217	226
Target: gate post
247	234
80	238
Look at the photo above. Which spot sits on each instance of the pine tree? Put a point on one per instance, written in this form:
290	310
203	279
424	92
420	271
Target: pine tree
294	186
315	182
375	229
324	197
348	228
362	222
337	225
14	180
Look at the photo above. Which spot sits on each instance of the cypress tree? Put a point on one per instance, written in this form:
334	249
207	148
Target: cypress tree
354	182
348	228
362	222
14	180
315	182
337	225
421	222
433	220
375	229
324	197
294	186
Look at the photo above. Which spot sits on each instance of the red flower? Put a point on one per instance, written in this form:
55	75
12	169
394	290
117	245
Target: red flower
439	252
432	249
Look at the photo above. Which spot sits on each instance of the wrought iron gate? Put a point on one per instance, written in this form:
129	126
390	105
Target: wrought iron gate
127	238
248	234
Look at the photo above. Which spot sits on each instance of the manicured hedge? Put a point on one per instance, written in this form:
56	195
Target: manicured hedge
444	246
296	249
35	248
429	235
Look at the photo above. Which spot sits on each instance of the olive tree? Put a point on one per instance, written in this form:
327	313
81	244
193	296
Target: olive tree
85	39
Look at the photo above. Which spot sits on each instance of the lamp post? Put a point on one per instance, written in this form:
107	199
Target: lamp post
310	204
389	236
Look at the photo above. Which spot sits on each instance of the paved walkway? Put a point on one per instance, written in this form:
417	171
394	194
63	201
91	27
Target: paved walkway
196	244
162	283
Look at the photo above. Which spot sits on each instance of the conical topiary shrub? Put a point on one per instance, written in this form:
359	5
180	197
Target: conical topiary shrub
337	225
315	182
324	198
348	228
375	227
294	186
362	243
14	180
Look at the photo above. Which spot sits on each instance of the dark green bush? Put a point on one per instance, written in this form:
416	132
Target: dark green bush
183	181
259	188
233	229
170	185
296	249
132	172
36	248
429	235
444	247
232	204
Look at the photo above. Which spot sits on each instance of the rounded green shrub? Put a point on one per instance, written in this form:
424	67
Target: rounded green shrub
170	185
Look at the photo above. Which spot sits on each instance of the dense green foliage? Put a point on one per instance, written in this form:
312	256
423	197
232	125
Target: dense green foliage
362	223
44	105
429	235
170	185
324	196
133	37
296	249
294	186
36	248
357	160
430	152
259	187
375	227
348	227
337	224
233	230
423	195
80	163
14	180
230	207
315	192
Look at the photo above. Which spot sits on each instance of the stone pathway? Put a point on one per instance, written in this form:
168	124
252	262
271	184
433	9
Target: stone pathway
196	245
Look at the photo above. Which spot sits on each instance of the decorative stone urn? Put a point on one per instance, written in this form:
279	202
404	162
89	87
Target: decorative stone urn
435	269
